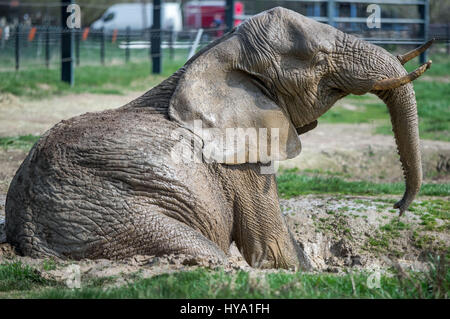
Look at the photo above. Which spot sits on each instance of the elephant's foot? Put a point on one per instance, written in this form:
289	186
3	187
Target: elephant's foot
285	253
157	234
179	238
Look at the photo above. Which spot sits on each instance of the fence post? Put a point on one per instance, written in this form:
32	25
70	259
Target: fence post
171	42
331	12
155	45
229	14
317	9
448	38
353	14
17	47
425	11
47	47
38	41
66	45
102	46
77	46
127	47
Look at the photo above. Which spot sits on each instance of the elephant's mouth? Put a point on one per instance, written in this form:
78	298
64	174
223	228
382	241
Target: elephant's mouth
306	128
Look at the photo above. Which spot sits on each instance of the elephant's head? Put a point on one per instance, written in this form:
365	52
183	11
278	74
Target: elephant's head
282	70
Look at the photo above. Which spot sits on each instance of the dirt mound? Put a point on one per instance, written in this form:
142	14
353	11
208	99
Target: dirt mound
338	232
7	99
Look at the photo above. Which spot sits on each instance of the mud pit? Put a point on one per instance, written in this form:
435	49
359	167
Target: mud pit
337	232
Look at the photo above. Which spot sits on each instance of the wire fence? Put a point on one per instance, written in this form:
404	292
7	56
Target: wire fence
40	46
26	44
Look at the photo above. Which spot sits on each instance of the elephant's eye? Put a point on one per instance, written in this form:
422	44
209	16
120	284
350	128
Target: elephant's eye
320	59
322	62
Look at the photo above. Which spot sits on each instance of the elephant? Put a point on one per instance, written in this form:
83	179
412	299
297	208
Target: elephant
118	183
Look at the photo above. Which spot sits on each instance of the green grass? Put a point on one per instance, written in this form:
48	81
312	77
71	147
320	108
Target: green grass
366	111
291	184
21	281
429	211
17	276
118	79
440	66
384	237
203	283
24	142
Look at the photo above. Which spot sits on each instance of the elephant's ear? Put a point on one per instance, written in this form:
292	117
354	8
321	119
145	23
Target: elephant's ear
237	122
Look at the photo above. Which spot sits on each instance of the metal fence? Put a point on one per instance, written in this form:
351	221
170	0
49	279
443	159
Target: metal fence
40	46
24	46
401	27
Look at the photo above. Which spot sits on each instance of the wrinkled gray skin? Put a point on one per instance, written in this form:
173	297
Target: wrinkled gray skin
103	185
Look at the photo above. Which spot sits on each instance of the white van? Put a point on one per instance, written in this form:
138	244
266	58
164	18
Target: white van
123	15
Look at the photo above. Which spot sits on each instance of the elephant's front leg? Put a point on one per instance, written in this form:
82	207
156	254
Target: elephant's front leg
265	241
260	231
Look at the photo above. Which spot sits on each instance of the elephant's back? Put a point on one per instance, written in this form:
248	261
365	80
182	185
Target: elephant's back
83	179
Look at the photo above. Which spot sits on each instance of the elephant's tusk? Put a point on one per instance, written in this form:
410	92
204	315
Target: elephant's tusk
403	58
388	84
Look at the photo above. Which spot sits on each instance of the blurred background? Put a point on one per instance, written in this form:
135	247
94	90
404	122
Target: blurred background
119	31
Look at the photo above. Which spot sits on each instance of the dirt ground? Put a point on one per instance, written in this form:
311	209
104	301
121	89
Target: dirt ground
347	150
22	116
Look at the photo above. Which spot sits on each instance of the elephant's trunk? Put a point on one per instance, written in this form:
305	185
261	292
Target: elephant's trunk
403	111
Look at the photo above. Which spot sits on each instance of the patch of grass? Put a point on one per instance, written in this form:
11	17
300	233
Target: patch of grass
24	142
428	242
335	225
386	233
440	66
363	113
291	184
384	238
116	79
203	283
17	276
49	264
101	281
394	226
432	215
309	171
429	211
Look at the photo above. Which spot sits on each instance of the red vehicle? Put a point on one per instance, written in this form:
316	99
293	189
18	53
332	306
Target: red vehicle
209	14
